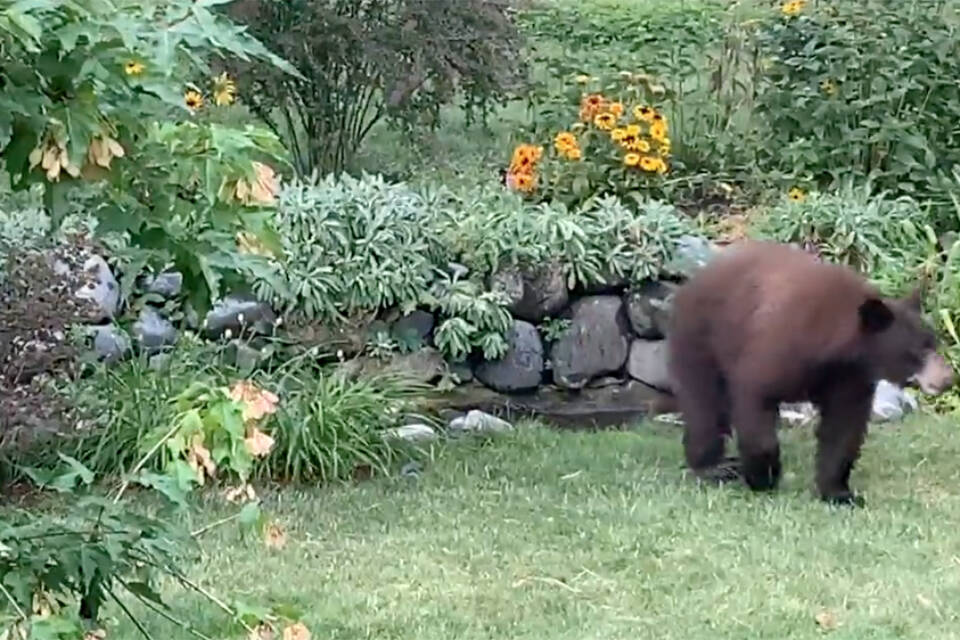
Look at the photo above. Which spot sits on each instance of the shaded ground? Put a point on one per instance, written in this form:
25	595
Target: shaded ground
546	535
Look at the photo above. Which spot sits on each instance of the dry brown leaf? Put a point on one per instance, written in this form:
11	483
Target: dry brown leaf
239	494
826	620
274	536
296	632
258	443
257	402
262	631
199	459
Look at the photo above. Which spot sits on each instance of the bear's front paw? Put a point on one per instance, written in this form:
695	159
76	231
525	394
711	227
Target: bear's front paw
844	499
762	472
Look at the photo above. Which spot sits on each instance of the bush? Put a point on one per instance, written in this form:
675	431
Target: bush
700	55
365	61
862	90
887	239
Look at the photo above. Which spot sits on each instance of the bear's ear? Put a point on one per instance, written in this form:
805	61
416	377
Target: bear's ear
875	315
915	299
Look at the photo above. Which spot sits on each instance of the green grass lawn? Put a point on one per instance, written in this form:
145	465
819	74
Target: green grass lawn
548	535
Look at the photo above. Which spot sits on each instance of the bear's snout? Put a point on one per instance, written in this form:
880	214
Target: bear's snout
936	375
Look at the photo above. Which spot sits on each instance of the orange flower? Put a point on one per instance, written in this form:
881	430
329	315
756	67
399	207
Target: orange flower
523	182
590	106
256	402
525	158
564	141
616	108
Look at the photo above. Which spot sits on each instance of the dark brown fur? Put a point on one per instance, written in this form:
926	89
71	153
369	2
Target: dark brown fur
764	324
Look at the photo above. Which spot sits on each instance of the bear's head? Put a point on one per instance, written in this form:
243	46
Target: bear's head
900	347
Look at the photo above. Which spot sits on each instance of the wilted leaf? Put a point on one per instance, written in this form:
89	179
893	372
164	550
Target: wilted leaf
826	620
274	536
297	631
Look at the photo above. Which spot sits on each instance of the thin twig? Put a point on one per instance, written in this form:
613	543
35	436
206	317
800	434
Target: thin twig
143	461
133	619
213	525
13	602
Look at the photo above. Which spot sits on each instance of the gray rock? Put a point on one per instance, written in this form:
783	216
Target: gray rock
479	422
153	332
461	371
648	363
100	287
595	344
798	414
159	361
415	326
423	366
110	344
891	403
648	308
238	313
411	433
692	253
168	284
534	293
521	368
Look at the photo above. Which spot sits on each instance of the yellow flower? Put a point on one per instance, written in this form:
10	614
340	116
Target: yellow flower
193	100
793	7
525	157
664	149
616	108
224	90
574	154
581	79
605	121
634	130
659	117
640	145
829	87
617	134
564	141
631	159
661	166
649	163
644	113
133	68
658	131
796	194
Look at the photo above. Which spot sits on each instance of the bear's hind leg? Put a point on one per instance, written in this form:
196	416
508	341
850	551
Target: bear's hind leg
756	425
844	412
703	403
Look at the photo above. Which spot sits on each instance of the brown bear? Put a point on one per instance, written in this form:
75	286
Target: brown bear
765	323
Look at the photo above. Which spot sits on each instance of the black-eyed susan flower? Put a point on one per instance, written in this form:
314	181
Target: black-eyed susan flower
574	153
644	113
649	163
224	90
658	131
133	67
193	100
564	141
605	121
796	194
631	159
617	134
793	7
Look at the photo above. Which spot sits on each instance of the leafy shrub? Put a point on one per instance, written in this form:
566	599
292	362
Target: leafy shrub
602	241
862	89
173	427
99	552
351	245
98	109
365	61
327	426
887	239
